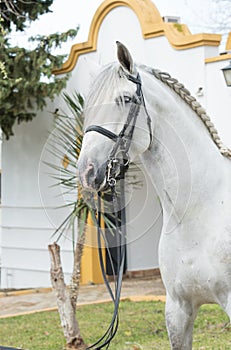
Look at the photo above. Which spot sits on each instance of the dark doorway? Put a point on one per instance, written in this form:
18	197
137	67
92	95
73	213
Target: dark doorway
112	251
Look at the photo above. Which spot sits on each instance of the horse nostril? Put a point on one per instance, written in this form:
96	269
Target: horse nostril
93	176
87	175
90	173
91	170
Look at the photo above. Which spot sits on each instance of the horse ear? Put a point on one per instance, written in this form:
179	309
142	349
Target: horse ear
124	57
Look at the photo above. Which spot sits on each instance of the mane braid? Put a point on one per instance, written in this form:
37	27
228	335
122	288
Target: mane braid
195	105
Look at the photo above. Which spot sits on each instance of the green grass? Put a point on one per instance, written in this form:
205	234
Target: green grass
142	326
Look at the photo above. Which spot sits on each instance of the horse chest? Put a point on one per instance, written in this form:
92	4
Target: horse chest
198	270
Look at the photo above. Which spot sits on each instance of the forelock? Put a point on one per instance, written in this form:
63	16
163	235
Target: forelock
104	86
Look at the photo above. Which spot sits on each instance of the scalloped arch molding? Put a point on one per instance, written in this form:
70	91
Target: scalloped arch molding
152	25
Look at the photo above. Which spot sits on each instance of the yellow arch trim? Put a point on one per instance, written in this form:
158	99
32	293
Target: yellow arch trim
224	57
152	25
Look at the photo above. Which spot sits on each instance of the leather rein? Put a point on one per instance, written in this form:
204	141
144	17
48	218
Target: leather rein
118	157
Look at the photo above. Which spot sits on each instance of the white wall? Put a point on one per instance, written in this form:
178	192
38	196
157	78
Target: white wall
29	217
218	100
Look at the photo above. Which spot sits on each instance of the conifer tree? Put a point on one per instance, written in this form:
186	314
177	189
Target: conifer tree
26	78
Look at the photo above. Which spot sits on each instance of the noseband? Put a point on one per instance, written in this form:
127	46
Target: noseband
124	138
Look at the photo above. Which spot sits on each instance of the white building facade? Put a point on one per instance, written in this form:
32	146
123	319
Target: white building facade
29	203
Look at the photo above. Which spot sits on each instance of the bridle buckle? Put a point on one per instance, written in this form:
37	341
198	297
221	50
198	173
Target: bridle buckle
111	172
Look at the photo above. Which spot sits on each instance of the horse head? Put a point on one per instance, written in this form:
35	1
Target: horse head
116	123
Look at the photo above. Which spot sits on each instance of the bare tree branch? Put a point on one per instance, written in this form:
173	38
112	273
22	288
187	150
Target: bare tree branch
12	8
67	297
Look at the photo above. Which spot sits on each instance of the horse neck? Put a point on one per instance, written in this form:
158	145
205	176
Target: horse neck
183	160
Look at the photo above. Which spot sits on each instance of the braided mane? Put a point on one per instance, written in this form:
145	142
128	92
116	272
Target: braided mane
194	104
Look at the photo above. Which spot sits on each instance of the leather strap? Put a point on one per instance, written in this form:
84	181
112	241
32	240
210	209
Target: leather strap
102	131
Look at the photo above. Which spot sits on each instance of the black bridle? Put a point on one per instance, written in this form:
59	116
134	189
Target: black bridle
124	138
118	157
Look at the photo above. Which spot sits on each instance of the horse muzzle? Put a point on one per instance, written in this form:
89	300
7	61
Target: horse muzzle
92	177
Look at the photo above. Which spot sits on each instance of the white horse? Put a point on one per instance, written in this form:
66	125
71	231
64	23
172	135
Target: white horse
191	171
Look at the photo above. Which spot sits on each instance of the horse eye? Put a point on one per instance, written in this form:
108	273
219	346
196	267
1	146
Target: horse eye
125	99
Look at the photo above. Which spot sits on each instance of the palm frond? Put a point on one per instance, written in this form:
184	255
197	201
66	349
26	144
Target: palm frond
64	147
